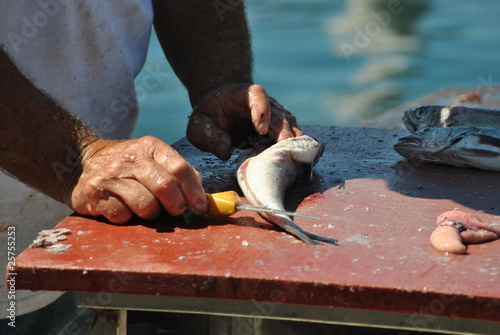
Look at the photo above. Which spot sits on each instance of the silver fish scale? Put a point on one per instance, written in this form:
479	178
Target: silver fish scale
265	177
476	147
433	116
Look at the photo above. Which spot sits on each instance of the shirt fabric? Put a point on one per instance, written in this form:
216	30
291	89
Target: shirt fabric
84	54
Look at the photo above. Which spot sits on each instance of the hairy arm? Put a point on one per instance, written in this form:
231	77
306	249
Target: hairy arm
40	143
207	48
48	148
208	45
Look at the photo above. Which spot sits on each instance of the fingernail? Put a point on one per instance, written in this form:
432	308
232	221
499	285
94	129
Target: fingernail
222	149
183	207
262	128
200	208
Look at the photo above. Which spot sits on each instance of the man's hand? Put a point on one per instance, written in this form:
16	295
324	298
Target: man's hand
213	60
235	114
139	176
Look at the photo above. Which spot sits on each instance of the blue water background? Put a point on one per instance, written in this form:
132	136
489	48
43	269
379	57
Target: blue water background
341	62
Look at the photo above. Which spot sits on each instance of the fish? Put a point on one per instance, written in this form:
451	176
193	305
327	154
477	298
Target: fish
456	228
422	117
456	146
264	178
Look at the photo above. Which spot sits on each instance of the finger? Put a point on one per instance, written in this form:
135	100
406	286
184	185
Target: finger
179	182
163	186
206	135
283	123
136	197
260	110
292	124
297	131
189	181
240	101
103	202
115	210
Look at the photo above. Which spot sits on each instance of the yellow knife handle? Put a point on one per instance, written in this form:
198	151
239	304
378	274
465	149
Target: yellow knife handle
222	203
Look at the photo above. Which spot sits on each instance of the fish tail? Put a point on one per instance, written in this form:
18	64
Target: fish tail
309	238
321	238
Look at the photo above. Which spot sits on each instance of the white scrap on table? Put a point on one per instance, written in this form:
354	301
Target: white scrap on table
49	237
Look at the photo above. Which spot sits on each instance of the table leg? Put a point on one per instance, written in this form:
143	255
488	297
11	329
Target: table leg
230	325
109	321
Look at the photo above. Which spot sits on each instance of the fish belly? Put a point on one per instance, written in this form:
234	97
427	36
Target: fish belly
265	178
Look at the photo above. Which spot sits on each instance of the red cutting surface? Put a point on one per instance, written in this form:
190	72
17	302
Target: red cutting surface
382	210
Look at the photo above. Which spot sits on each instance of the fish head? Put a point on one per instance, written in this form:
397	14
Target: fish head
319	149
315	149
422	117
427	144
303	149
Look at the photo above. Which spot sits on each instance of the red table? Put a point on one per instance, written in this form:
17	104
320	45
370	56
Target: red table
381	208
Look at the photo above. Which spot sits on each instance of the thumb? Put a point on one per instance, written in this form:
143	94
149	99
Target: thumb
204	134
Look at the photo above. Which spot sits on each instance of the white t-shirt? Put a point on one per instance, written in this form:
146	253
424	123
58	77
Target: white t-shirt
85	54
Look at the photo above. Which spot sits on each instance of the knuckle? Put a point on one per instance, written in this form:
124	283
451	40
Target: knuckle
180	169
94	191
148	209
170	198
175	208
117	216
147	142
148	139
198	175
258	88
163	185
113	210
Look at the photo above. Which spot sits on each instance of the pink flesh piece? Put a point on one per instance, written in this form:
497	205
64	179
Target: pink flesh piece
477	231
448	239
478	236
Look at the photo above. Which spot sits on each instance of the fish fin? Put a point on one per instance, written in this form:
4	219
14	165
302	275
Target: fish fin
291	227
479	153
299	233
484	139
321	238
287	224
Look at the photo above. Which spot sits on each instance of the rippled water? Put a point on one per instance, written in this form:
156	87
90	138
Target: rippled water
340	62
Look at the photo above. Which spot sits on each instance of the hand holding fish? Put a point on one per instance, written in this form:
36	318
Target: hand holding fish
229	116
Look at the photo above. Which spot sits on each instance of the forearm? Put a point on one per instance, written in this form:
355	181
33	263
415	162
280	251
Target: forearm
205	49
40	143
